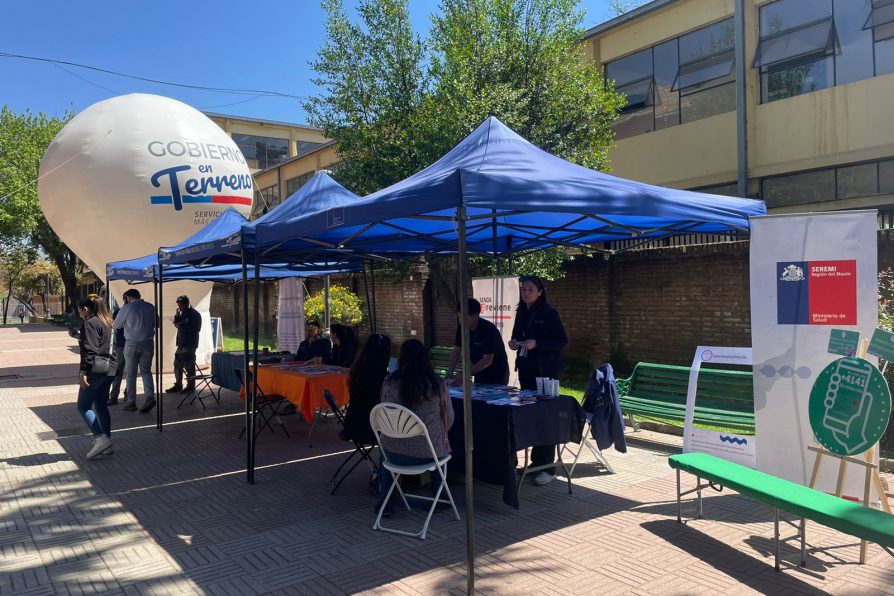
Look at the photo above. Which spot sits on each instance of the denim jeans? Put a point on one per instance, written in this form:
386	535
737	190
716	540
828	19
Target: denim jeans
119	372
139	354
386	480
93	406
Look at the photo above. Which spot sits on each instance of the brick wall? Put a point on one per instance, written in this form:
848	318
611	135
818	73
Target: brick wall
651	305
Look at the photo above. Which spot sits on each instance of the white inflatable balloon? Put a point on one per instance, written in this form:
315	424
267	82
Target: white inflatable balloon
136	172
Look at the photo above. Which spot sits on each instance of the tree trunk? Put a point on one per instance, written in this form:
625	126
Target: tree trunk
65	264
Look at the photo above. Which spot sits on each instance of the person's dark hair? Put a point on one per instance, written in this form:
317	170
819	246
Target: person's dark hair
344	334
313	322
132	293
415	376
541	301
472	308
182	299
371	364
96	306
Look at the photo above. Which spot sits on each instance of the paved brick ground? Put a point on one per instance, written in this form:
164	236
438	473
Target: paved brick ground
171	513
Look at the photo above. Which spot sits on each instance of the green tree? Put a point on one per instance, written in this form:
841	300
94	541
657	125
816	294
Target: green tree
23	140
520	60
41	279
15	258
344	306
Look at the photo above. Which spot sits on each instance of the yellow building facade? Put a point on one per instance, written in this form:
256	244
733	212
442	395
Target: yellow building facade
801	122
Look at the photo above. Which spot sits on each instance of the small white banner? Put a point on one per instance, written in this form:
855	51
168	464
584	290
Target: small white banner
729	446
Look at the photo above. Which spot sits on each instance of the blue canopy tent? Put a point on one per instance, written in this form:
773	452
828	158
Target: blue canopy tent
493	194
320	193
147	269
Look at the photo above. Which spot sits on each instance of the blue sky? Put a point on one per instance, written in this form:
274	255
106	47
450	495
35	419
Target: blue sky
245	45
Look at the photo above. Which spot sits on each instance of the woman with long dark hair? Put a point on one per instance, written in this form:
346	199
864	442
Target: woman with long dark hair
97	369
415	385
365	386
344	346
539	337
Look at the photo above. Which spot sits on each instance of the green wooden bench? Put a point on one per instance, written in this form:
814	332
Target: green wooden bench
845	516
724	398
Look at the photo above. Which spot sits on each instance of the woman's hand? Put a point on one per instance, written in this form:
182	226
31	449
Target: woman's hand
530	344
513	345
82	381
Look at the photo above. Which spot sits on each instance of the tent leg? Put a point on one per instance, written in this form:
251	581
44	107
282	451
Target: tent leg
249	410
467	397
157	348
161	338
254	373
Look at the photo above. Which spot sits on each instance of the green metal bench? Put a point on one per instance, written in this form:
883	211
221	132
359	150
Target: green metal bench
724	398
845	516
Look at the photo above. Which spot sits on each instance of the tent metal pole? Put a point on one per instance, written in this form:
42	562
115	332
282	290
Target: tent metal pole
368	303
467	396
249	411
159	415
155	285
326	312
372	274
254	373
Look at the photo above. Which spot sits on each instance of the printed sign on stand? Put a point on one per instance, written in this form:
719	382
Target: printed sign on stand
732	447
882	345
499	298
843	342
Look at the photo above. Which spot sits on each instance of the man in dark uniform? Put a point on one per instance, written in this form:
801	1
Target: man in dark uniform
188	322
314	345
488	354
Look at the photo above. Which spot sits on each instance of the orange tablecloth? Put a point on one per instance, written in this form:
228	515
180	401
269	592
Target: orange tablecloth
304	390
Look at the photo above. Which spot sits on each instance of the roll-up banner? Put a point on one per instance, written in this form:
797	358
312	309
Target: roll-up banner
810	273
499	298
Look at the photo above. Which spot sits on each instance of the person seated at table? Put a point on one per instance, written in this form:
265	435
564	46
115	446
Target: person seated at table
344	346
368	372
486	349
415	385
314	344
539	337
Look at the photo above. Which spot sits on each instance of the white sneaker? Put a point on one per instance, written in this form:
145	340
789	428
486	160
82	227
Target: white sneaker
540	479
100	445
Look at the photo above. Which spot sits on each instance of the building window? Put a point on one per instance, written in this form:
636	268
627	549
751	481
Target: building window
305	147
808	45
293	184
729	189
842	182
681	80
265	200
262	152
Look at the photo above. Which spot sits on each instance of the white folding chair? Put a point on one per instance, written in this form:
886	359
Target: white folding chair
397	422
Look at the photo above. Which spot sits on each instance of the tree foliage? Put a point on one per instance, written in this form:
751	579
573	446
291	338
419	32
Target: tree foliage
23	140
15	259
344	306
38	279
395	104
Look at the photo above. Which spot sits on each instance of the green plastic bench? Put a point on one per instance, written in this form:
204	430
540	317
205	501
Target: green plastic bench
845	516
724	398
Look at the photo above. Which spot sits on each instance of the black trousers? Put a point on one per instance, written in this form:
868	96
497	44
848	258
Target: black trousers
119	373
528	372
184	359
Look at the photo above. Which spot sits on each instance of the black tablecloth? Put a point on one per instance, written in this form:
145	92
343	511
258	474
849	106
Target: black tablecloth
224	365
499	432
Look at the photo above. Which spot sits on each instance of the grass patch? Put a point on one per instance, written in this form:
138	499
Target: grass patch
237	344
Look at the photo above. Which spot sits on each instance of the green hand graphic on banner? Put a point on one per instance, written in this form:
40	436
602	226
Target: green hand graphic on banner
850	404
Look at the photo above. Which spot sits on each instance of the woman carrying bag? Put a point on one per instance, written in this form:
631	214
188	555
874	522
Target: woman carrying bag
97	370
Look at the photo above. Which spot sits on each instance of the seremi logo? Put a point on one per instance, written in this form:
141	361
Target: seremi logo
816	292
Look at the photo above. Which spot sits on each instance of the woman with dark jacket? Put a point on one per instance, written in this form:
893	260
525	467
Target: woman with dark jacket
97	370
344	346
539	337
365	387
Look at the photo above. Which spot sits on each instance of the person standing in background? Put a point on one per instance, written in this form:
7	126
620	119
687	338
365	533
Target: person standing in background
138	320
119	359
188	322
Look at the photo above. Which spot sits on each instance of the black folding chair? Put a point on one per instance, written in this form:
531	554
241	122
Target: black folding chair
362	449
267	406
202	389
